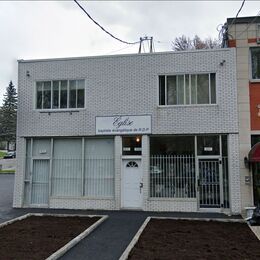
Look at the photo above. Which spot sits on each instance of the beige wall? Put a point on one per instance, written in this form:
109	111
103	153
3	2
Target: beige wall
241	33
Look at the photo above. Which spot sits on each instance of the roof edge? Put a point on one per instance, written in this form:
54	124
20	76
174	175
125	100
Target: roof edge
120	55
241	20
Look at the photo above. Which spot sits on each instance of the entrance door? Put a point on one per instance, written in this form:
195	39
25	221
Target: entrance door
256	182
210	183
132	184
40	182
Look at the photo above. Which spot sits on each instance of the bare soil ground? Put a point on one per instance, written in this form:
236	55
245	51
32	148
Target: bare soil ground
185	239
38	237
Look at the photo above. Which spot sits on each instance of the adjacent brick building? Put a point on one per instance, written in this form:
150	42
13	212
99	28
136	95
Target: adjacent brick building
244	34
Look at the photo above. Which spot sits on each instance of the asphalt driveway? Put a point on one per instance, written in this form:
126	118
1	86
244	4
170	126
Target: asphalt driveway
6	195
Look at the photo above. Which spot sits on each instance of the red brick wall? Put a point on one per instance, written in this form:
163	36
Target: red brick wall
254	92
232	43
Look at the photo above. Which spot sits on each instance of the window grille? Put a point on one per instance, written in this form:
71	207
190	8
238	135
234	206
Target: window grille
172	176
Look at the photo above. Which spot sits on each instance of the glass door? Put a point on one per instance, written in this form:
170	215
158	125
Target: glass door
256	182
40	182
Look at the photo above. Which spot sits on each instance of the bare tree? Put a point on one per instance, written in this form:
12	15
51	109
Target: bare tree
185	43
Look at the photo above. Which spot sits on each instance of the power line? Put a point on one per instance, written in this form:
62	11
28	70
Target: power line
238	12
249	24
127	47
240	8
224	31
102	28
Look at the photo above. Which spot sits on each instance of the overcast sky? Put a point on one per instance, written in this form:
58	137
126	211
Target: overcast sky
49	29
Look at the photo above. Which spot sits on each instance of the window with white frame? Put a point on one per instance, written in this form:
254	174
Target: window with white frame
255	62
76	173
60	94
187	89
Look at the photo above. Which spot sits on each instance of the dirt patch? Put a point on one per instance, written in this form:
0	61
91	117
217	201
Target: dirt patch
38	237
184	239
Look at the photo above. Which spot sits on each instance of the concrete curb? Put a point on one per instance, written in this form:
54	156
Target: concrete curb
77	239
125	254
14	220
72	242
127	251
255	230
204	219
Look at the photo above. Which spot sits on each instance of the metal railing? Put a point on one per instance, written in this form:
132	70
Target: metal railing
172	176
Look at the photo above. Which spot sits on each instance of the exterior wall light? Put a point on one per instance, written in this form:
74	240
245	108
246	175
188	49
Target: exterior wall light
137	139
28	73
222	62
246	162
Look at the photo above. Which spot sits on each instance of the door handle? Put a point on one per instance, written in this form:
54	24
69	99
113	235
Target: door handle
141	186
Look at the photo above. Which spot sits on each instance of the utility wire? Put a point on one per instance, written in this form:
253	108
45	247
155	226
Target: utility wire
102	28
257	15
238	13
224	31
127	47
240	8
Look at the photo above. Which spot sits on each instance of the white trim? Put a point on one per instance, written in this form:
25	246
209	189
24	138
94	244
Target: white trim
209	87
191	105
173	199
50	173
250	76
59	101
255	132
124	55
254	80
221	179
82	166
86	198
127	157
185	74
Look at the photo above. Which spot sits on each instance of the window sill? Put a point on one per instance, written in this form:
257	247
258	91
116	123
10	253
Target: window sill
49	111
254	81
82	198
187	199
194	105
131	157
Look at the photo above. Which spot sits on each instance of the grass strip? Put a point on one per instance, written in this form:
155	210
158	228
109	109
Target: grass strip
7	171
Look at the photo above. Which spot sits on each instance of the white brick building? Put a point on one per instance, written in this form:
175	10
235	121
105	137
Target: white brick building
153	132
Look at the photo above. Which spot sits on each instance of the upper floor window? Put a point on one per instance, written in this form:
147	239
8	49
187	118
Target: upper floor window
60	94
187	89
255	59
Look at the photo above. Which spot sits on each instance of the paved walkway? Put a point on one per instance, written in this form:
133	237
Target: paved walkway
108	241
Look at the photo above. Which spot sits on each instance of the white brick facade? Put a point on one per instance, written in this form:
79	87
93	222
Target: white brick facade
128	85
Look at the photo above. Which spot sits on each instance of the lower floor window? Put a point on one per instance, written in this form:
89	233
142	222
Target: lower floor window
172	176
78	167
190	166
